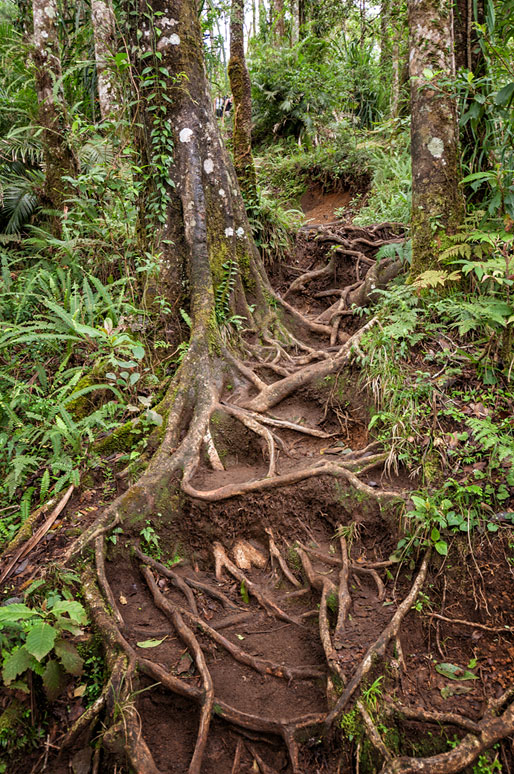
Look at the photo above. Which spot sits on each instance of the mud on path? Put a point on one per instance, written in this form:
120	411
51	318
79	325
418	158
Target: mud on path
285	609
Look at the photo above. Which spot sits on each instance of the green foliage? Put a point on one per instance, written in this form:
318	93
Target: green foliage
36	639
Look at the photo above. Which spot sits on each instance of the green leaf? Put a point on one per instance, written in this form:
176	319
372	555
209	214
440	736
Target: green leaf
244	593
138	352
15	664
16	612
69	657
505	95
441	547
53	679
151	643
454	672
435	535
40	640
74	609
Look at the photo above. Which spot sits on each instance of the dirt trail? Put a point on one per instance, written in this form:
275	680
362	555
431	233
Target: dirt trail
285	590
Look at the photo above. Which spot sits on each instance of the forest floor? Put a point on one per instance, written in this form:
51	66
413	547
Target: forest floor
258	580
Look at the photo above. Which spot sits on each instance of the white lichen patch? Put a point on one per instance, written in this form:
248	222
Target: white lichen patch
208	166
222	193
240	232
174	39
50	11
185	134
229	232
436	147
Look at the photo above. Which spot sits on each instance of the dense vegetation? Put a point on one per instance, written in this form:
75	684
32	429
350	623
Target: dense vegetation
124	327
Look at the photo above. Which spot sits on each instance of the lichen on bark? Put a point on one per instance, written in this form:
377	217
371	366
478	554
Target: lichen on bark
437	199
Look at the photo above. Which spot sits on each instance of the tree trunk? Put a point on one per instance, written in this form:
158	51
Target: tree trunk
104	32
437	201
384	27
278	21
295	22
241	92
468	53
59	158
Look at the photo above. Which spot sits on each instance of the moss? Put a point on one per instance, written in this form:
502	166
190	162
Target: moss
120	440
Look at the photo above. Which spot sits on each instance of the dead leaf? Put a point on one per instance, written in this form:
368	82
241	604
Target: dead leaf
123	600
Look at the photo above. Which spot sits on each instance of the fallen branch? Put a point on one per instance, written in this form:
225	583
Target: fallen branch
33	541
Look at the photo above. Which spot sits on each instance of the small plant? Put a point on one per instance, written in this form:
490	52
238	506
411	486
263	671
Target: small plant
151	540
36	639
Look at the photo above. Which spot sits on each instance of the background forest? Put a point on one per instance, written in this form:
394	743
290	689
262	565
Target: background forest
100	322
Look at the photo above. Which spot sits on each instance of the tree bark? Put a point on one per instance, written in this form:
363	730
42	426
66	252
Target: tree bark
59	159
437	200
295	22
278	21
241	91
104	32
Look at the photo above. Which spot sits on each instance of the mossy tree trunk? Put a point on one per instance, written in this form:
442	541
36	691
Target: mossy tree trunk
437	200
104	33
59	158
278	21
241	92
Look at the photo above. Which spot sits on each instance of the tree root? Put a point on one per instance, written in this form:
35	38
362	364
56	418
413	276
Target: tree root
355	567
176	579
337	470
222	561
372	733
276	392
276	554
473	624
489	731
102	578
260	665
300	282
344	598
378	648
192	643
430	716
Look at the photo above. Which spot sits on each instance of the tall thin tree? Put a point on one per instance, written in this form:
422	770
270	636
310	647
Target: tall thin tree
104	32
59	159
241	91
437	200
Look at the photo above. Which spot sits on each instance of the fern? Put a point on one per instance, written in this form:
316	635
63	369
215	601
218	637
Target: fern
224	291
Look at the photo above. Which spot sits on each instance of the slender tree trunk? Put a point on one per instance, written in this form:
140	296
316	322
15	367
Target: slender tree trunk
437	201
241	92
59	158
295	22
104	32
278	21
384	28
395	79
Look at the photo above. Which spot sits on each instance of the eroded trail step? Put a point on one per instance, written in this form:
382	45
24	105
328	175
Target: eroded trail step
170	723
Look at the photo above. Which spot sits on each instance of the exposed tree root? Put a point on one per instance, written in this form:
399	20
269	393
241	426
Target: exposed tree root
372	733
472	624
263	666
222	561
276	554
102	578
192	643
344	599
489	731
378	648
430	716
176	579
